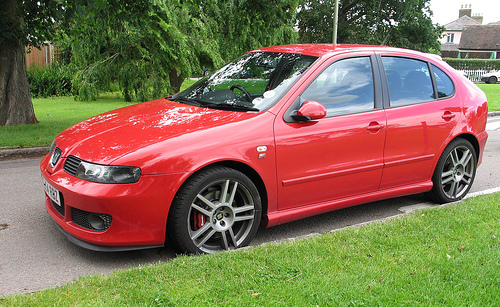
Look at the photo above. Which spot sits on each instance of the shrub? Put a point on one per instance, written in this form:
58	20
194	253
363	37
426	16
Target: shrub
52	81
473	64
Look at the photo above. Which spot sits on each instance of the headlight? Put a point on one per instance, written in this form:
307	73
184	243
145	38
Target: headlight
54	154
52	147
107	173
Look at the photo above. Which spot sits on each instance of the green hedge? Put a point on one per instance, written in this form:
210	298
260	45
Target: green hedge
52	81
473	64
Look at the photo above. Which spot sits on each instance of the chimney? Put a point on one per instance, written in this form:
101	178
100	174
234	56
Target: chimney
478	18
465	10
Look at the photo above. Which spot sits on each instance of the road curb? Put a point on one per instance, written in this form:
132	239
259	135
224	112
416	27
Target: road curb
18	153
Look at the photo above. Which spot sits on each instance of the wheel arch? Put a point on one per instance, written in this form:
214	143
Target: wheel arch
473	140
250	173
243	168
466	136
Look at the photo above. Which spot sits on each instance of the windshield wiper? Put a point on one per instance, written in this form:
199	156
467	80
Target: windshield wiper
225	106
212	105
189	101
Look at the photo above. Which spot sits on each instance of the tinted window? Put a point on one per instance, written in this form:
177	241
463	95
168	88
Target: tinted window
444	84
344	87
409	81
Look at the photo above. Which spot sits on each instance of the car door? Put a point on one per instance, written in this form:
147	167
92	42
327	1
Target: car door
421	114
338	156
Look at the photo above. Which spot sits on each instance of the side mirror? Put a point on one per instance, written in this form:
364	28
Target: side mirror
310	110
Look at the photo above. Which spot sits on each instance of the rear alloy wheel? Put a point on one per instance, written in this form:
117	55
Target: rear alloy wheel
455	172
492	80
218	209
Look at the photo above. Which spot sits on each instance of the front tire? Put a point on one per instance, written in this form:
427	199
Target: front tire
455	172
492	80
215	210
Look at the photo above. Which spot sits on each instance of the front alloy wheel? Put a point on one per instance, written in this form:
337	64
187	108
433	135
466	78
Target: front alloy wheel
218	209
454	172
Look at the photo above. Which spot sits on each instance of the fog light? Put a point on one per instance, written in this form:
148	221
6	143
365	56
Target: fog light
97	221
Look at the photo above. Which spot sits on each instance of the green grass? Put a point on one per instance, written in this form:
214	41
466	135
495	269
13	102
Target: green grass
56	114
492	92
449	256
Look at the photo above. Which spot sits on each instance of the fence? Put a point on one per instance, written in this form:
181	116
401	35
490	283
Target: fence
39	57
474	75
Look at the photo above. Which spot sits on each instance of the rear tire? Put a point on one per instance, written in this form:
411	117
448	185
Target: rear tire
215	210
455	172
492	80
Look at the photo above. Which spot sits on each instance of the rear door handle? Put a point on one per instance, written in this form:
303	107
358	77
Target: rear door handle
448	115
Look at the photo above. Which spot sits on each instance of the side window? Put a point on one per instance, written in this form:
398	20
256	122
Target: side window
345	87
409	81
444	84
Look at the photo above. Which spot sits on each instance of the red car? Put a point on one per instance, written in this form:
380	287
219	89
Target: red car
280	134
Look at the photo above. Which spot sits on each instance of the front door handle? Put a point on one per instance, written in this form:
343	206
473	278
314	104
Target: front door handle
375	127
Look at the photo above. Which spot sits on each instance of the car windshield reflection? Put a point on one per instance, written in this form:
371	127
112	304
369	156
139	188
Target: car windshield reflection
253	82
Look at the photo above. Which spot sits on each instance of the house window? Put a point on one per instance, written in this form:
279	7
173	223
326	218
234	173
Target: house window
450	37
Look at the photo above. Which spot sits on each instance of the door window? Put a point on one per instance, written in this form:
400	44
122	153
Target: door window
409	81
345	87
445	87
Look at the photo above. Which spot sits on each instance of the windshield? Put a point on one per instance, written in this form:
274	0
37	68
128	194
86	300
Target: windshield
253	82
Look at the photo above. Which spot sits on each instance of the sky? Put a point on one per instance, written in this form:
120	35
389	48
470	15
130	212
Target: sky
446	11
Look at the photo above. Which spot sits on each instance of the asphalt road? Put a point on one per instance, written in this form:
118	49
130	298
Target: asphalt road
34	255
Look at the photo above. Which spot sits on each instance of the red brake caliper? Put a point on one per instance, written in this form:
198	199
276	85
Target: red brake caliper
199	220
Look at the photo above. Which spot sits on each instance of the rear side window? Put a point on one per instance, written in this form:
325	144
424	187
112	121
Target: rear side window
409	81
345	87
445	87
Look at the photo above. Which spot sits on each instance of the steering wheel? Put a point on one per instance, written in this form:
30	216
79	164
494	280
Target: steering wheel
245	92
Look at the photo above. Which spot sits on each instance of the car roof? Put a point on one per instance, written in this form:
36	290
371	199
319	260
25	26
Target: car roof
321	50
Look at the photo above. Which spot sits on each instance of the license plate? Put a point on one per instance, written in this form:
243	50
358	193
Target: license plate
52	192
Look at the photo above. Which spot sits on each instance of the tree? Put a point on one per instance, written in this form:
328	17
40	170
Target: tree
405	24
22	23
243	25
148	49
152	52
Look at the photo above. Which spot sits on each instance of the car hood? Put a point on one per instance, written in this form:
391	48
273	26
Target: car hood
109	136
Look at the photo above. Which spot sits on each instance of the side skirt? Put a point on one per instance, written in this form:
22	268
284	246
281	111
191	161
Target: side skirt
285	216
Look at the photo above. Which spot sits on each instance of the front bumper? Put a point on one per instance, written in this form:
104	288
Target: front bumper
99	248
137	212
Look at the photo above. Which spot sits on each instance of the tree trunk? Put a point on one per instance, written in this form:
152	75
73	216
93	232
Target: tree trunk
176	80
16	106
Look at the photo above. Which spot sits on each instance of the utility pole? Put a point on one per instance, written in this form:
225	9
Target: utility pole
335	21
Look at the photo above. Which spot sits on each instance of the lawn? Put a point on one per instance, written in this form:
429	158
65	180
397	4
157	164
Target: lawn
58	113
492	92
447	256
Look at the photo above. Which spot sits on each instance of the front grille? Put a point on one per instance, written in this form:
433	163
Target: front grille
71	165
91	220
59	209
